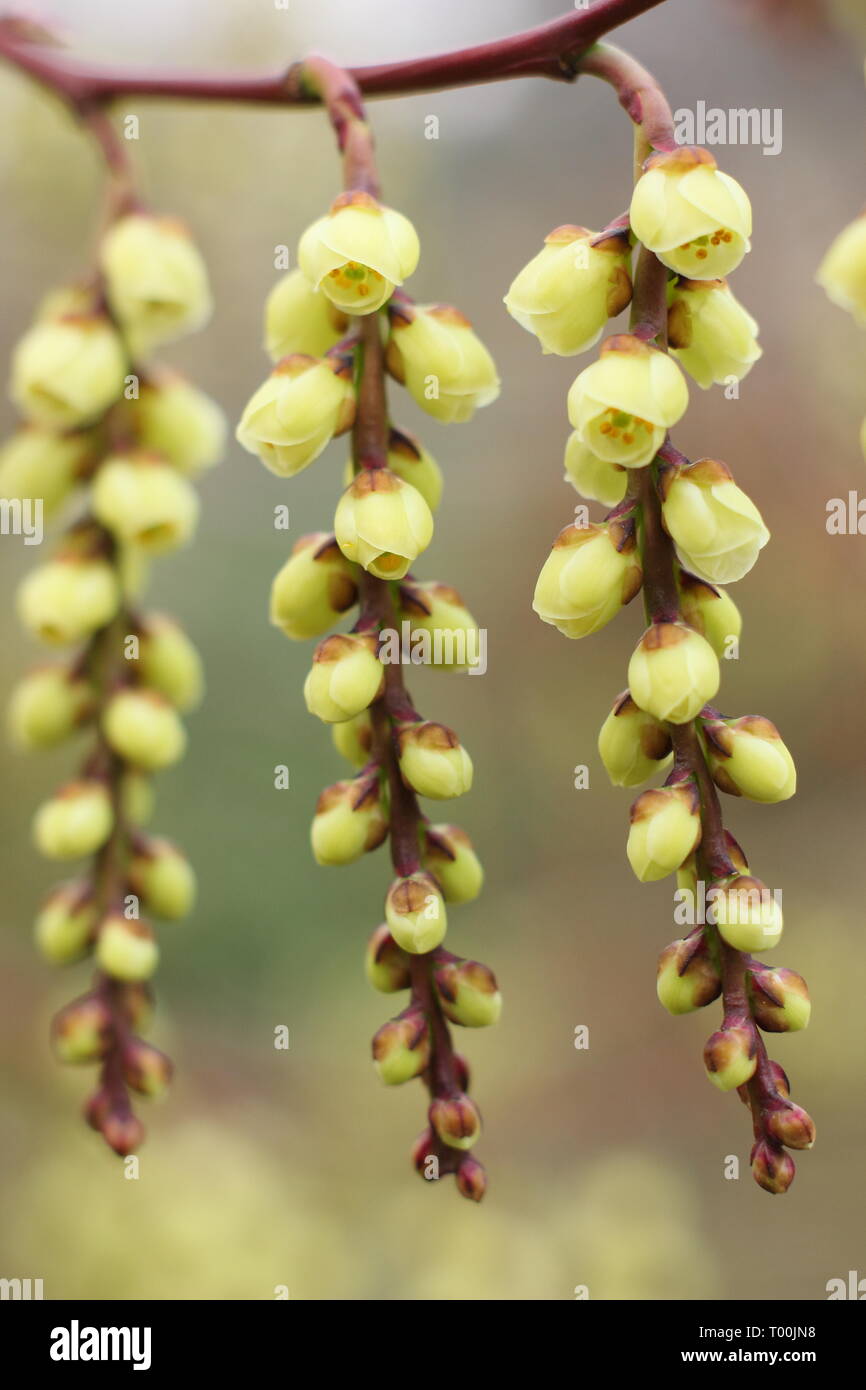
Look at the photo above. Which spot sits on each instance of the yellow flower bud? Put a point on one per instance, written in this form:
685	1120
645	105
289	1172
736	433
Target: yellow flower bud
842	272
145	502
450	858
163	878
730	1056
623	405
696	219
126	950
47	706
415	913
456	1120
314	587
67	372
136	797
746	913
590	574
711	612
566	293
36	463
76	821
82	1031
433	762
595	479
68	599
385	964
710	333
169	663
173	418
673	672
303	404
350	820
156	280
780	1000
144	728
300	319
444	366
748	758
401	1048
687	979
65	923
665	828
358	253
717	529
440	611
468	993
633	745
382	523
345	678
353	739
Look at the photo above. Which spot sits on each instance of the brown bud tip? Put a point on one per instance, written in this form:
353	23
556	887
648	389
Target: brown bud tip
772	1168
792	1126
123	1133
471	1179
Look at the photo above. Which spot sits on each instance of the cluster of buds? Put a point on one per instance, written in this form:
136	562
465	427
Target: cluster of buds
842	275
124	438
679	530
336	324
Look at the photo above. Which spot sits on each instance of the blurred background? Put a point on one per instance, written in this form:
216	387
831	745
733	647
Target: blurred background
266	1168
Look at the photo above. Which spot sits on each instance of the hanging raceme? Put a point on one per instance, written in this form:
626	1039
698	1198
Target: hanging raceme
123	438
333	325
678	530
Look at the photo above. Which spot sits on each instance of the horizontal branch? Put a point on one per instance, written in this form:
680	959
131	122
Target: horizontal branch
545	51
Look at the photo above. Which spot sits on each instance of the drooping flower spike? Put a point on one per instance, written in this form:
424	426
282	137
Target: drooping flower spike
343	304
677	530
106	428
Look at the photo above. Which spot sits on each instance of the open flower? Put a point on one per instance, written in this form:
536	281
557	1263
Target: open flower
623	405
591	572
304	403
696	219
67	372
358	253
710	333
566	293
443	364
382	523
156	279
717	529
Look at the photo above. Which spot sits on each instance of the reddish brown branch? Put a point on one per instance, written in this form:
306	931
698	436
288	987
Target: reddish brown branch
545	51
